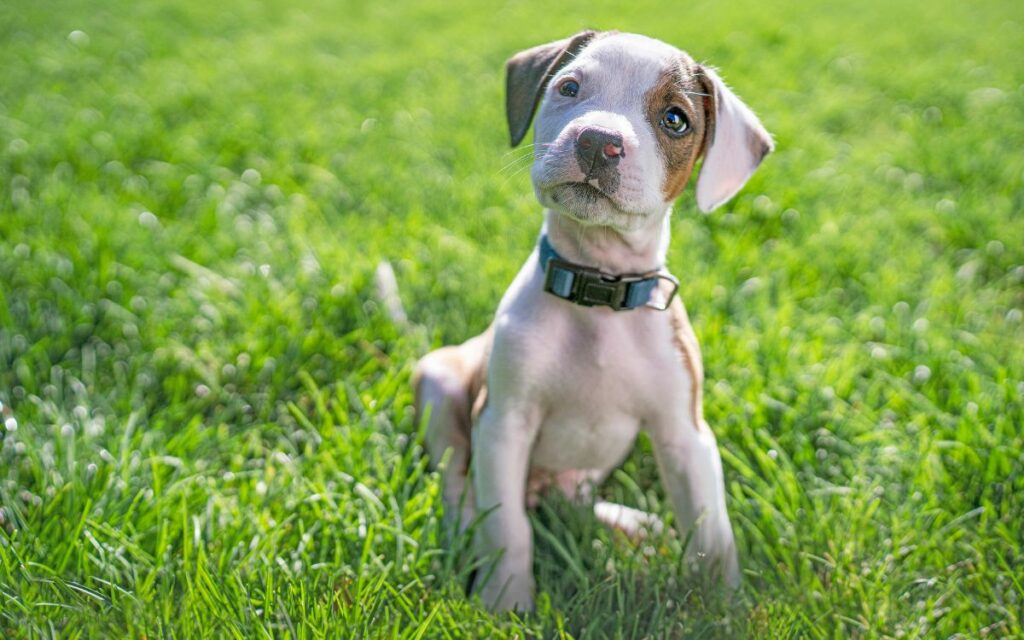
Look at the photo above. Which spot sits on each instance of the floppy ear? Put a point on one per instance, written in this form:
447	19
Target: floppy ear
528	73
735	142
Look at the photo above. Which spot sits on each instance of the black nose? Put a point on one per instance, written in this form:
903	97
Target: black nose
598	149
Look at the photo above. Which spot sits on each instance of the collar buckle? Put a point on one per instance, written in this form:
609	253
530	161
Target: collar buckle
593	288
590	287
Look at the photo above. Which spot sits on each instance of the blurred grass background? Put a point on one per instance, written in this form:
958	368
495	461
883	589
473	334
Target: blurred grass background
206	422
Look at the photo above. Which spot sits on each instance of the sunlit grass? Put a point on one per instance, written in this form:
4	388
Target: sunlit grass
206	420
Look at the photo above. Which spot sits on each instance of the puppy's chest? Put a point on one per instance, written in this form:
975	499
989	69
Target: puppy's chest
614	364
607	382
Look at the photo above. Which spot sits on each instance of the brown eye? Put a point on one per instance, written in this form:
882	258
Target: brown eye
675	122
569	88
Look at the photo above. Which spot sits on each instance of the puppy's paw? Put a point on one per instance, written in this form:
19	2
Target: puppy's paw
718	563
511	594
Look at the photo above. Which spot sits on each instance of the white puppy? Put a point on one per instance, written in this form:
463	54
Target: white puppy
589	344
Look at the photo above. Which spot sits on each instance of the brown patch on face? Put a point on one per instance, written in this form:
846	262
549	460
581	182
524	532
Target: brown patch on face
685	342
678	86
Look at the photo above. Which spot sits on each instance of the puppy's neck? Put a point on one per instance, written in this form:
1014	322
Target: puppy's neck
611	250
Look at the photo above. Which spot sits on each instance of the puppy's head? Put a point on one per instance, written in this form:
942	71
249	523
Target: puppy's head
621	121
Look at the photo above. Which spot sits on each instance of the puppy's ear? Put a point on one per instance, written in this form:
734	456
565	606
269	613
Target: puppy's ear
735	142
527	75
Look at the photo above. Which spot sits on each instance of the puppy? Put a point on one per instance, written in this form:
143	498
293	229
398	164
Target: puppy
589	344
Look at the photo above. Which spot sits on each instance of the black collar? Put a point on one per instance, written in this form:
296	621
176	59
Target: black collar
590	287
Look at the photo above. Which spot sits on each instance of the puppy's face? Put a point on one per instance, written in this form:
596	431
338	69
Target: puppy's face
622	120
618	131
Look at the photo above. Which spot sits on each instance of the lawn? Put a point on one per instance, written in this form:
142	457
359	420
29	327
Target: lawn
206	422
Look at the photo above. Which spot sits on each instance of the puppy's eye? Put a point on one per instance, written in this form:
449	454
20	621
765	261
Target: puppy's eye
569	88
675	122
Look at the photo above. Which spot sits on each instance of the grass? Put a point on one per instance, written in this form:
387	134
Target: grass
206	415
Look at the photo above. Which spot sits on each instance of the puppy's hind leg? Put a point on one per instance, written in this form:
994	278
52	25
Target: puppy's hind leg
634	523
579	486
443	400
447	383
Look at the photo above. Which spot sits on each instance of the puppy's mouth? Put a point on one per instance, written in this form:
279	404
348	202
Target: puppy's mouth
577	198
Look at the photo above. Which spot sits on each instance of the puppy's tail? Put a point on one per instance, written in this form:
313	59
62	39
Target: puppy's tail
387	292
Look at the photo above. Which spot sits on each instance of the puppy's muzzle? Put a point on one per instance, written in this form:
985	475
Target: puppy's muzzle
598	152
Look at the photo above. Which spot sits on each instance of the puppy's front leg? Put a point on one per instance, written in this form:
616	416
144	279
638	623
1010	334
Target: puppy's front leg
501	450
691	470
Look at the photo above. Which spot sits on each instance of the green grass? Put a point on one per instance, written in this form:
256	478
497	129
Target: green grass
207	415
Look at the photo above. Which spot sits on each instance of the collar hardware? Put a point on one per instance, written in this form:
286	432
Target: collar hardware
589	287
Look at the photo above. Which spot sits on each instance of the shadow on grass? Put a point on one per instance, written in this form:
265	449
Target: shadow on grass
603	584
